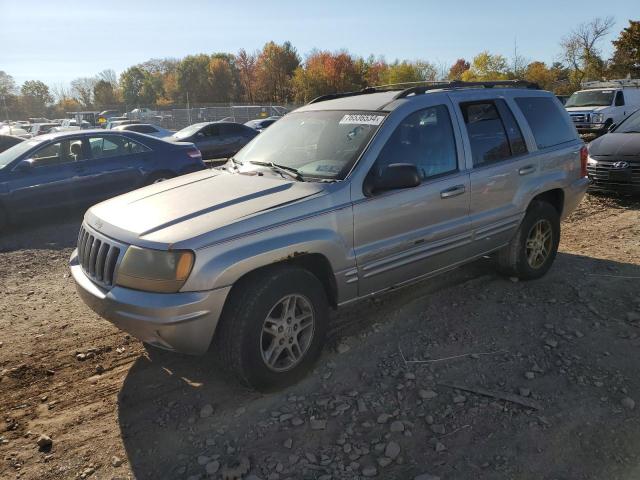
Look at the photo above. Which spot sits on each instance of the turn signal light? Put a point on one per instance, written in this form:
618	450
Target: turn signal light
584	155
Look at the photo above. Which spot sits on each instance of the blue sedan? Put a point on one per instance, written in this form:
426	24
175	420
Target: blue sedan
68	169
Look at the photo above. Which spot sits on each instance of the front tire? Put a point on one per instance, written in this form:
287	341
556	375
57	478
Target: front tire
533	249
273	327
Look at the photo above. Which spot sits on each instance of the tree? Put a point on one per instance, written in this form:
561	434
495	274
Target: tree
486	66
325	72
108	76
35	96
246	65
7	84
221	78
458	68
104	94
192	78
132	81
375	71
274	70
626	56
82	89
580	50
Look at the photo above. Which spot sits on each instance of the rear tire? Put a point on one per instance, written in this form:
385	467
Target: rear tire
533	249
4	220
273	327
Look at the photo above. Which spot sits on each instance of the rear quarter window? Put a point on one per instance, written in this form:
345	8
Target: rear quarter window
547	122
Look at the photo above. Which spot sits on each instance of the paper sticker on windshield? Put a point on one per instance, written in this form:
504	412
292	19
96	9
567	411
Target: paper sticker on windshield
361	119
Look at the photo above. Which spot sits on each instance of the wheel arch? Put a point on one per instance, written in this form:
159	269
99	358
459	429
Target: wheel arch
554	197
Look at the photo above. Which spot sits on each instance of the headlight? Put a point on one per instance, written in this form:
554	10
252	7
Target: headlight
597	118
154	270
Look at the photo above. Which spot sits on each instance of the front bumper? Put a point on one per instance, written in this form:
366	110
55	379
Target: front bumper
183	322
597	128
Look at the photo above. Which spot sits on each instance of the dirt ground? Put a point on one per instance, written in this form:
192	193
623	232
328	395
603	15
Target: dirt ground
553	364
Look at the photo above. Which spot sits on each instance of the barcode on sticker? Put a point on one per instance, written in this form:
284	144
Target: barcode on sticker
360	119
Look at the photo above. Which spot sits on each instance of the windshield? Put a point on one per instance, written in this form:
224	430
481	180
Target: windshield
320	144
188	131
10	154
630	125
591	98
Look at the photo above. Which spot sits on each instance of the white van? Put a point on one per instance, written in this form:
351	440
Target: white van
602	104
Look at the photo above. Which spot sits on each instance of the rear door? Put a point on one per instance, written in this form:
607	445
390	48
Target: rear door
114	164
403	234
501	169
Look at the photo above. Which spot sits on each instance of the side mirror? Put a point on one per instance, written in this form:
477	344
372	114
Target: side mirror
395	176
25	165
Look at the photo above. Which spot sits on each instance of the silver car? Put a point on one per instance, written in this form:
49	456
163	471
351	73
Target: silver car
344	198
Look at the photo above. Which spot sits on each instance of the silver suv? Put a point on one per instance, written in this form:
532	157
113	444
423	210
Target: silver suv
344	198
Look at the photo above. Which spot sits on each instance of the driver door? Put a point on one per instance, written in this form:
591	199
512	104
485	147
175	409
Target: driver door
403	234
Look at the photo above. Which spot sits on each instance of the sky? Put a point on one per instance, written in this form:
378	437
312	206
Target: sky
58	40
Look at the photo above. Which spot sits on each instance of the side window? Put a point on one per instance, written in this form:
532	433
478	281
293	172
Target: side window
114	145
487	133
425	138
211	131
60	152
142	128
516	140
619	99
547	121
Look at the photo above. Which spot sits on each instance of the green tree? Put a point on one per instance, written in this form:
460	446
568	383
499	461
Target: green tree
139	87
35	97
104	94
626	56
222	78
192	79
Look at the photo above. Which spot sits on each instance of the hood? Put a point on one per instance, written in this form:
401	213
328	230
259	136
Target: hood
587	109
616	145
202	203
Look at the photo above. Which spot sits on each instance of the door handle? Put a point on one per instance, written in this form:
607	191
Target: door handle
452	192
527	170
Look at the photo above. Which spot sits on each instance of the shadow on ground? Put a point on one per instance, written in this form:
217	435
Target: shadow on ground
164	432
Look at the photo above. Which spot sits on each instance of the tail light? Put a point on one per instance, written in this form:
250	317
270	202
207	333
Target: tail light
584	155
194	153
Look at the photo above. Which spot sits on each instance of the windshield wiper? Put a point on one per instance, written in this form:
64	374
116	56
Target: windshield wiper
292	172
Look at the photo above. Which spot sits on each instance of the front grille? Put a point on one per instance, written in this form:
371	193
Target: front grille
601	173
580	117
97	256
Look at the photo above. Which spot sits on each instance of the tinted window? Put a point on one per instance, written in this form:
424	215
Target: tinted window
547	121
487	133
619	99
211	131
514	134
64	151
425	138
231	130
141	128
113	145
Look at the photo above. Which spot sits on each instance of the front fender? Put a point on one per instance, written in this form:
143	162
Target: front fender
224	264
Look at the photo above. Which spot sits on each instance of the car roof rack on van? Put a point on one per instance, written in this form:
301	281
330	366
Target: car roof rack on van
622	82
424	86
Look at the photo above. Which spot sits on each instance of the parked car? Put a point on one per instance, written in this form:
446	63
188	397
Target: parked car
603	104
113	123
14	130
614	158
142	114
261	123
145	128
41	128
346	197
216	140
61	170
71	124
8	141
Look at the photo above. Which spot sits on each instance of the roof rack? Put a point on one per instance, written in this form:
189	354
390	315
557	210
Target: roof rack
458	84
332	96
622	82
424	86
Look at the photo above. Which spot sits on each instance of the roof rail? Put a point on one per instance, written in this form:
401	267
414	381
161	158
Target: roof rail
332	96
459	84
